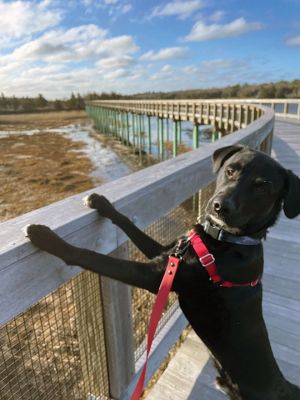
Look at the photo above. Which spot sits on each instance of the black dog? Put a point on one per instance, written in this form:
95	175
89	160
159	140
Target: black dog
250	191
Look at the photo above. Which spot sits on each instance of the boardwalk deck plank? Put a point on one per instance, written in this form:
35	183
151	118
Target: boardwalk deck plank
190	374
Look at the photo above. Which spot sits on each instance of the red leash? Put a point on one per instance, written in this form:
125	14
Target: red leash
157	310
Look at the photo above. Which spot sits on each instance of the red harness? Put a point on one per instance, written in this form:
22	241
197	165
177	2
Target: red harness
207	260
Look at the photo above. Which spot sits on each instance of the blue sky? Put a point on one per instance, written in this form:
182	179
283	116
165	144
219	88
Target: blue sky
129	46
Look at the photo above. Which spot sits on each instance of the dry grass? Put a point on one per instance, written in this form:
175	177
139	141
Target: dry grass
36	170
55	119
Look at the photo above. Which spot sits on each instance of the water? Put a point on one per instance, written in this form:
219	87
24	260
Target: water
279	107
106	162
168	128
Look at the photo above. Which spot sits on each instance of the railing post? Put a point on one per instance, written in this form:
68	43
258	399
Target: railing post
139	124
175	138
133	130
89	320
195	135
149	134
127	128
240	116
298	110
179	128
118	331
168	129
161	138
233	114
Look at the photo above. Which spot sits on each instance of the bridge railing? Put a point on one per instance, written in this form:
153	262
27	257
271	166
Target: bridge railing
285	108
70	334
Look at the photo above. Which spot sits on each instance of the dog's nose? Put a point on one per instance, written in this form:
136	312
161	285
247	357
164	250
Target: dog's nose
217	206
224	206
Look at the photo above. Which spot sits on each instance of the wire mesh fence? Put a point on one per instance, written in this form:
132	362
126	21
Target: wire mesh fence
56	350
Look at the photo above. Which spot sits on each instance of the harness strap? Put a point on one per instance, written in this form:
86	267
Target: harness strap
207	260
157	310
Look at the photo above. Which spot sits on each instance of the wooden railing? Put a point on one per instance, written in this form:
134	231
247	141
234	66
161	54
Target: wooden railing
143	125
27	275
285	108
222	114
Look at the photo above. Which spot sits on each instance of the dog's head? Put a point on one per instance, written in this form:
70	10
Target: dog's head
251	189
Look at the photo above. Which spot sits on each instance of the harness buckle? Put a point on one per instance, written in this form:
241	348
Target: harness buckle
181	248
211	260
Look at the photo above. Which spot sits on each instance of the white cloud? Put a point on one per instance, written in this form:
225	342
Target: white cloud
126	8
168	53
57	80
167	68
293	41
178	8
83	58
114	8
82	43
22	18
118	73
115	62
87	3
202	32
217	16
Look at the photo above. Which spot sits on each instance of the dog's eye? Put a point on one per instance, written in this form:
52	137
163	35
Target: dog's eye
230	172
262	185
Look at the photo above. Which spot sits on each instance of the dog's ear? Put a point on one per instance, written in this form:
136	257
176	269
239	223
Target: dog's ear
291	200
221	155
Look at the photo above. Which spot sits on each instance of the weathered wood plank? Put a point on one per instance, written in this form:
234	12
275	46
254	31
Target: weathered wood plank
286	287
117	310
189	375
291	372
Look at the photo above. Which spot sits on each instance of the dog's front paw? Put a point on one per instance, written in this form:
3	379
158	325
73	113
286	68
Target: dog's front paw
40	235
45	239
101	204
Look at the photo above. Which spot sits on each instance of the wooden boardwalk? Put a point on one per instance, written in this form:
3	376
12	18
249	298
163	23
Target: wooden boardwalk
190	374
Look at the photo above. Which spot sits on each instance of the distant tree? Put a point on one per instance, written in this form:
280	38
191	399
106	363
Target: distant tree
15	103
28	104
57	104
40	101
3	102
71	103
79	102
267	91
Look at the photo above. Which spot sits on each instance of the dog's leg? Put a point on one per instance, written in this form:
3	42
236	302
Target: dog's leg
144	243
144	275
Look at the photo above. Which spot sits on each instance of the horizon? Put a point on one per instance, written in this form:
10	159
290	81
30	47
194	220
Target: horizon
126	47
83	95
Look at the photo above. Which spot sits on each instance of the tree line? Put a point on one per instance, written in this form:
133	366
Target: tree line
277	90
13	104
282	89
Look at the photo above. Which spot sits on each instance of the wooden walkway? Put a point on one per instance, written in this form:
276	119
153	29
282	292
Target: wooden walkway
190	374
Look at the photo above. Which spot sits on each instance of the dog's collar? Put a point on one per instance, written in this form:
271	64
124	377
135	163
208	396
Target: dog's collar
224	236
